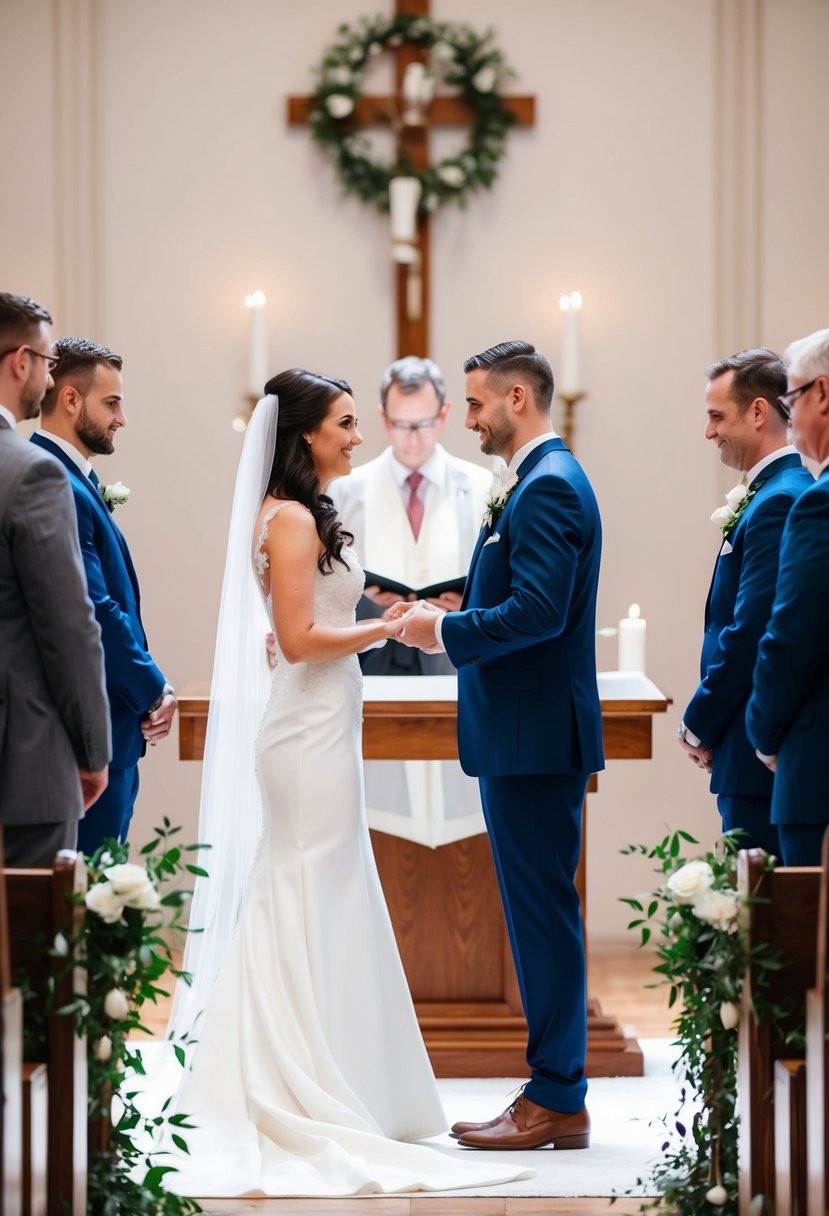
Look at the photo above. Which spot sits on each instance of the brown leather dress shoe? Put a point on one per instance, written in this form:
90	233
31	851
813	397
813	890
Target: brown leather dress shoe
527	1125
460	1129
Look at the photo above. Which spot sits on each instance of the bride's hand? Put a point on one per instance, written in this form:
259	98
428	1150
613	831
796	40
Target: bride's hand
394	623
398	610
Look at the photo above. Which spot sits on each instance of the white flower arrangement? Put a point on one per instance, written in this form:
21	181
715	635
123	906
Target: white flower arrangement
115	495
498	499
339	105
736	501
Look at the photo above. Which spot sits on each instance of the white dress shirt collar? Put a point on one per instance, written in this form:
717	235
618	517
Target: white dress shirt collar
522	453
788	450
71	451
9	416
823	466
431	471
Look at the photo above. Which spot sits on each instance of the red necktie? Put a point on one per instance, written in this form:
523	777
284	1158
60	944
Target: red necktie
414	507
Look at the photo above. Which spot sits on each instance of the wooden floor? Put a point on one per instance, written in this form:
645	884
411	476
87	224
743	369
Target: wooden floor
620	979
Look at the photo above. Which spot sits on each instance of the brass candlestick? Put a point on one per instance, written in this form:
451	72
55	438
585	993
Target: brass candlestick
570	400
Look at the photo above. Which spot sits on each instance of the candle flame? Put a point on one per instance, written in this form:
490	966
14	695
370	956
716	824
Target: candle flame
633	612
564	303
255	300
575	299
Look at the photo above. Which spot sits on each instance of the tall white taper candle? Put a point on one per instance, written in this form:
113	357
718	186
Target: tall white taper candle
257	356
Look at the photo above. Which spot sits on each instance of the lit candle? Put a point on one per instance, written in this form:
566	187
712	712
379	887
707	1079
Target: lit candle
257	374
632	641
570	373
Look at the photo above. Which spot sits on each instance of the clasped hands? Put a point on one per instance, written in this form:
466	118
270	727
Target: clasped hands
416	624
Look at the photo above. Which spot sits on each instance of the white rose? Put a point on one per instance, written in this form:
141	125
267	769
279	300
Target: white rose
484	79
686	882
443	52
721	516
60	946
717	908
145	898
340	75
729	1015
103	1048
116	494
106	859
339	105
735	497
116	1005
146	956
718	1196
451	175
374	48
127	878
104	901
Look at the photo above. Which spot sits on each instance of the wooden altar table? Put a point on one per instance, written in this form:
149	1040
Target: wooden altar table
444	903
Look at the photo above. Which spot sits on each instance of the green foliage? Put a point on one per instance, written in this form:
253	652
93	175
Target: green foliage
125	944
693	918
458	57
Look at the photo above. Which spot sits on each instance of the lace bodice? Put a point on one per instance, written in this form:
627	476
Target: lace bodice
335	594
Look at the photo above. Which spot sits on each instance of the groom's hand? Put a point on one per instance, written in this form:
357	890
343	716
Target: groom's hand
419	629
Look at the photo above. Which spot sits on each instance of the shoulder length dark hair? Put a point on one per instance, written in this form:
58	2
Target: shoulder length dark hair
304	401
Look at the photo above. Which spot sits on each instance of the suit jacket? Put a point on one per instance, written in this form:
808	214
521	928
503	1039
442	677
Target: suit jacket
788	712
736	616
524	642
369	502
133	680
54	717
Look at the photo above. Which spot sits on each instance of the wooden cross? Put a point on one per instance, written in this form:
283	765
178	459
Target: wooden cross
413	140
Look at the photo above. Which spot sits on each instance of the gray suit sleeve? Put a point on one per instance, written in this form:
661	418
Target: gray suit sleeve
47	556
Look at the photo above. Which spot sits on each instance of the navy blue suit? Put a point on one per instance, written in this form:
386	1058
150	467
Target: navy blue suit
736	616
133	681
529	727
788	713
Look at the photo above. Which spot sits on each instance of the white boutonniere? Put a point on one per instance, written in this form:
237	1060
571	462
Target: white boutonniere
115	495
736	501
498	499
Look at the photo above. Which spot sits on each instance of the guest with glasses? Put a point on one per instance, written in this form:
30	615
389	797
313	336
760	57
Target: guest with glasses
749	428
54	717
788	713
83	413
415	513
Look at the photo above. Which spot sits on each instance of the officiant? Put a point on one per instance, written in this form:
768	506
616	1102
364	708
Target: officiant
415	512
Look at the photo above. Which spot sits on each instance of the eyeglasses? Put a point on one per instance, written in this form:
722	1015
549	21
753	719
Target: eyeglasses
788	399
423	424
51	360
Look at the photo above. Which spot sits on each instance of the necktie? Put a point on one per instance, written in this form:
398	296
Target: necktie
414	507
95	479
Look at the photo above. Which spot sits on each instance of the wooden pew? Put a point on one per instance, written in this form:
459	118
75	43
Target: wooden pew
39	905
817	1059
786	919
11	1061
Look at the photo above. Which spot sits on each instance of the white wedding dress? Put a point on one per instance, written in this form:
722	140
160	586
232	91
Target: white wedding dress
310	1069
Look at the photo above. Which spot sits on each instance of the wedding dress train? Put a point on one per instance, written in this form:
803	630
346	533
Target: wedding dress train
310	1070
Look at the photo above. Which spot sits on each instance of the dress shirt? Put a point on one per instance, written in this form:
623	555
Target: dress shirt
71	451
777	454
431	472
9	416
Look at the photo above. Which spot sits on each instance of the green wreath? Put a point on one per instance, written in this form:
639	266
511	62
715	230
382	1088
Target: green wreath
458	57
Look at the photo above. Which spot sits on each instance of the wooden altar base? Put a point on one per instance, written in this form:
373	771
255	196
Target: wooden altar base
445	905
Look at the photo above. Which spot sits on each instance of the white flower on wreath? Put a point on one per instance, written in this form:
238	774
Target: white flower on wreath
498	500
133	886
340	75
484	79
115	495
717	908
339	105
443	52
686	883
452	175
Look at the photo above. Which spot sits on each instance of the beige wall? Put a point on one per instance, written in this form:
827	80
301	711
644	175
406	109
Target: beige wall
674	176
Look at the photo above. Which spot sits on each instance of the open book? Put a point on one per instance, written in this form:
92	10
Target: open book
421	593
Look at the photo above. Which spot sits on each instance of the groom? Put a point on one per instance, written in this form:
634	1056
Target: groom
529	722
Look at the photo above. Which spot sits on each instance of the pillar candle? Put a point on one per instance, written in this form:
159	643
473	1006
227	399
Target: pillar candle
570	371
632	641
257	355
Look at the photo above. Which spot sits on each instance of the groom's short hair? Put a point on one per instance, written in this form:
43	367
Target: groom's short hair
758	372
78	359
509	362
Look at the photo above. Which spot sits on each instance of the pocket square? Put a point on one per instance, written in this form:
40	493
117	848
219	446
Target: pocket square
726	548
492	539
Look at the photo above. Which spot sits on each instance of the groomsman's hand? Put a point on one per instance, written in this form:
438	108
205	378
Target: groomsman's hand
701	755
93	785
158	722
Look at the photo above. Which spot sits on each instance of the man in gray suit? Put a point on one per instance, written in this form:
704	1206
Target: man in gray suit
54	715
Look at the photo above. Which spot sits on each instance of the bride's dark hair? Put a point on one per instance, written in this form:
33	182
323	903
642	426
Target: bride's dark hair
304	401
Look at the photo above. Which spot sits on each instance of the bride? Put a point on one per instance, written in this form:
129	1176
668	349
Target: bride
308	1073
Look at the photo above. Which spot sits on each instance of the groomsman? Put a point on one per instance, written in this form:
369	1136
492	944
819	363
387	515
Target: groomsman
82	414
54	717
788	713
529	722
750	430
